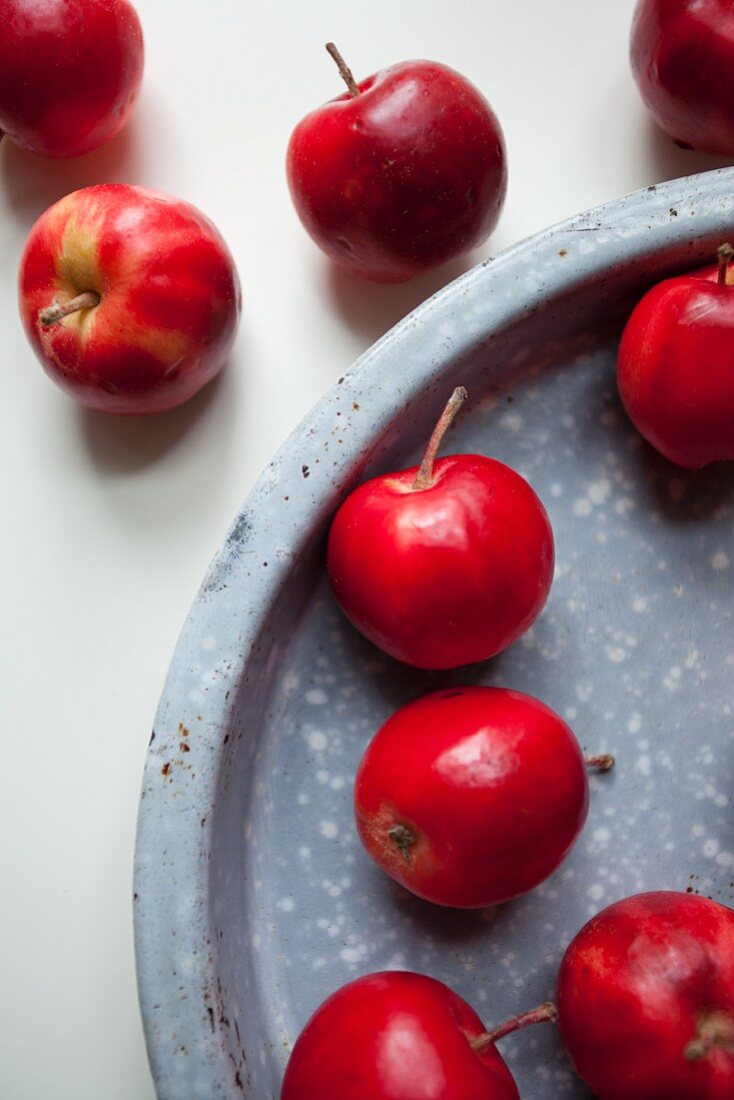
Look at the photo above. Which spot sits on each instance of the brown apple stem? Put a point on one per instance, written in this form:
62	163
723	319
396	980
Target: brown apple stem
424	477
713	1032
725	253
51	315
603	763
344	70
544	1014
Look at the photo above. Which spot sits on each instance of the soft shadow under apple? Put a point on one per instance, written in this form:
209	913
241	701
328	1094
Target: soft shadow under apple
371	309
120	445
31	184
668	161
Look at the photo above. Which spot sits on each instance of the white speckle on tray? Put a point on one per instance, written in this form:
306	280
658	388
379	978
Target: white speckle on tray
644	764
598	491
317	740
317	697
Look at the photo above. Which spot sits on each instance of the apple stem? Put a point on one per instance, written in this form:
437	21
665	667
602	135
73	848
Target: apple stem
51	315
725	253
344	70
603	763
424	477
544	1014
714	1032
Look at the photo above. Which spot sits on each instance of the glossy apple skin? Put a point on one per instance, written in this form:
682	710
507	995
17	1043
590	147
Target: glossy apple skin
490	783
170	297
448	575
633	986
403	177
70	72
395	1036
682	54
675	368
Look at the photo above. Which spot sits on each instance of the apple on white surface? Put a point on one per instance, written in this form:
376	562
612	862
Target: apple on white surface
129	297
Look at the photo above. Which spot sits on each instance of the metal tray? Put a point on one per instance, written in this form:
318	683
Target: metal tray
253	897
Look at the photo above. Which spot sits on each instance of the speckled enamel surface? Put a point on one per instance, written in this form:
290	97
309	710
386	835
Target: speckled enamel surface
254	899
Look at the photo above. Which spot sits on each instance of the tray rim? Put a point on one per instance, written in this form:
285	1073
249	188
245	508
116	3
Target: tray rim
171	913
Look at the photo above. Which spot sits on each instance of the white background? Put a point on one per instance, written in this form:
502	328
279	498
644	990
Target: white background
108	524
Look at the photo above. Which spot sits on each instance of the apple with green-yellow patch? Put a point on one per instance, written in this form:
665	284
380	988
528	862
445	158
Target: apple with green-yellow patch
129	297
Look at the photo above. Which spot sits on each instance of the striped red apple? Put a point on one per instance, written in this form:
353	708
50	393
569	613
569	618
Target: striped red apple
130	298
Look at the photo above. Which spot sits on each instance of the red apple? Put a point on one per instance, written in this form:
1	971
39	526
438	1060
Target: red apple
396	1036
445	564
129	297
472	795
683	61
646	1000
401	173
70	72
675	368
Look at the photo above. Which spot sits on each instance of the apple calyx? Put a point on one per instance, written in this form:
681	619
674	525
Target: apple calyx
424	477
725	254
55	313
403	839
603	763
714	1031
344	71
543	1014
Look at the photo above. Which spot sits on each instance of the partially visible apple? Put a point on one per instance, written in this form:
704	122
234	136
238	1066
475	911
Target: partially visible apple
129	297
675	367
396	1036
401	173
682	54
70	72
646	999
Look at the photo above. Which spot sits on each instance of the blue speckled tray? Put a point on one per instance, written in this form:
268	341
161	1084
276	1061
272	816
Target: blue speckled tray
254	899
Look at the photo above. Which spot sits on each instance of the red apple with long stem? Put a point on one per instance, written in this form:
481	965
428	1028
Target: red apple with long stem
646	999
472	795
396	1036
444	564
404	171
675	367
682	54
129	297
70	72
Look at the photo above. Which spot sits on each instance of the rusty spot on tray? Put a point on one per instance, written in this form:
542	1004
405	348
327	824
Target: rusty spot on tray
563	252
166	768
184	747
